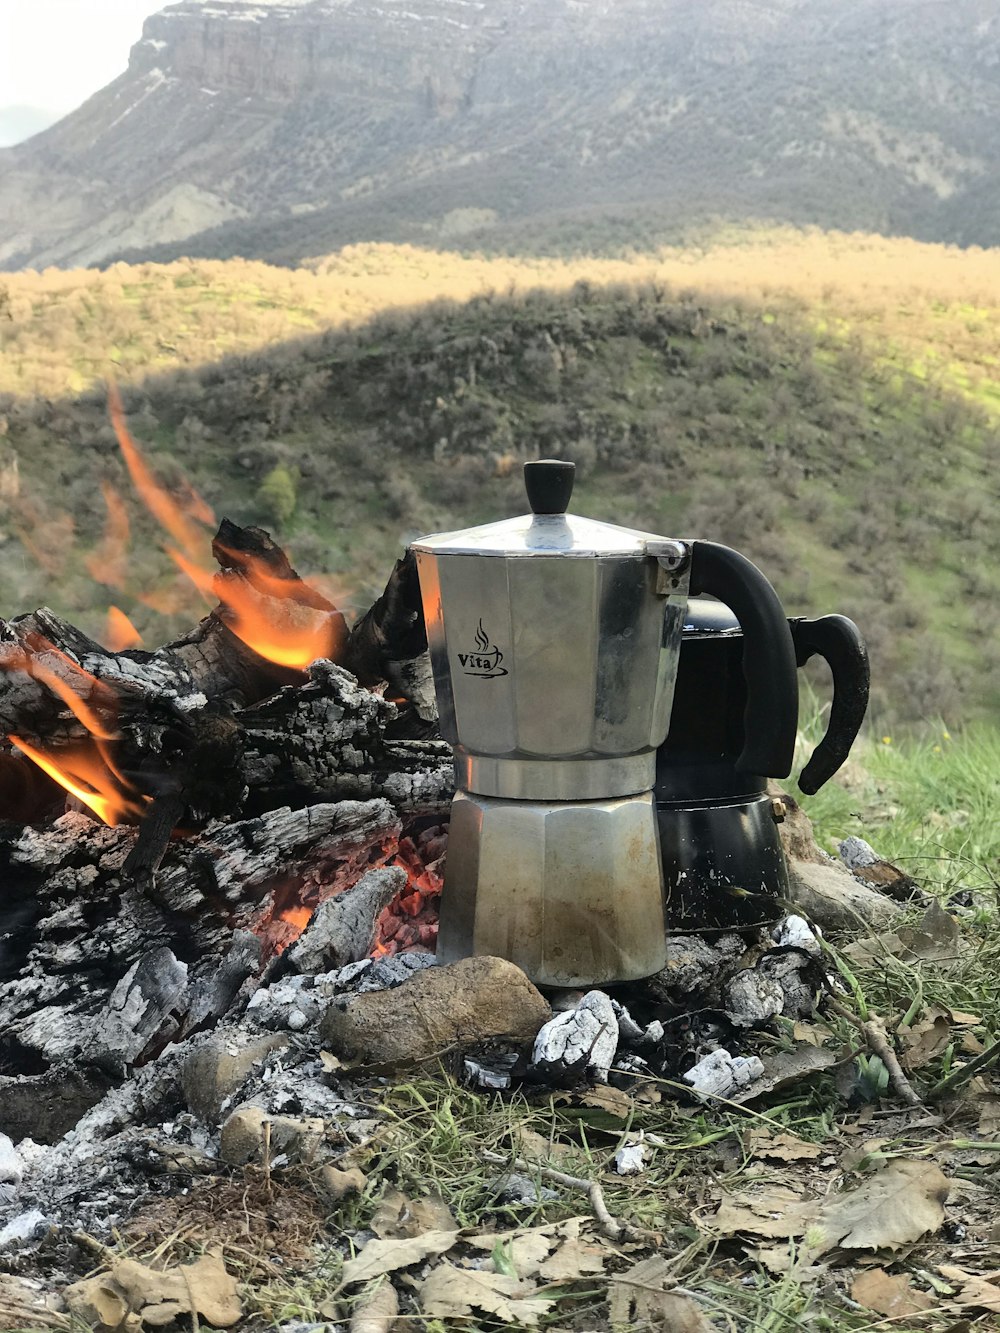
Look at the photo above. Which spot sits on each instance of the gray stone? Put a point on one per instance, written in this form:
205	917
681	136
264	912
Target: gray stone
217	1070
243	1137
830	896
438	1009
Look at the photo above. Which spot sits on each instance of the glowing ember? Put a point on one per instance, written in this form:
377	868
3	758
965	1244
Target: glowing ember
119	632
299	917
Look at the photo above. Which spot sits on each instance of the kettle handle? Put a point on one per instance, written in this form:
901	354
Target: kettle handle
771	719
839	641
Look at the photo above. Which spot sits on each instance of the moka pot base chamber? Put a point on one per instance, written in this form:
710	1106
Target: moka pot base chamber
569	891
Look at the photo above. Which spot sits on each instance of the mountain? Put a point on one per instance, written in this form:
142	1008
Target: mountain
284	128
18	123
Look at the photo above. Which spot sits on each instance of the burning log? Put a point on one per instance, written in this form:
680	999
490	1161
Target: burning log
241	779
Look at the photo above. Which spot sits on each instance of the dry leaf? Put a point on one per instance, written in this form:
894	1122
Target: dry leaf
453	1293
979	1291
774	1211
377	1310
203	1288
637	1297
398	1217
989	1118
536	1148
814	1034
925	1041
572	1260
609	1099
891	1295
900	1203
780	1259
784	1147
386	1256
337	1185
936	939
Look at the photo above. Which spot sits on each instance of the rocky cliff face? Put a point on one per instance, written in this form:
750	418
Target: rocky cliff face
282	128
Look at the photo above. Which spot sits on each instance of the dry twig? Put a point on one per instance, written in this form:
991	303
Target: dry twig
874	1032
610	1226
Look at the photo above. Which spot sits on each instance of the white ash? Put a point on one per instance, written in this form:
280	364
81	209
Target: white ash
25	1226
694	964
11	1167
491	1075
796	933
720	1074
585	1038
751	997
856	854
629	1031
630	1159
792	969
295	1003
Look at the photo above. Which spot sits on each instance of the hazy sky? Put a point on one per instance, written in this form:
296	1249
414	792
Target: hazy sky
55	53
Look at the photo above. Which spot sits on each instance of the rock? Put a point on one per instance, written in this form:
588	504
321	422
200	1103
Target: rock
720	1074
584	1039
864	862
218	1069
242	1140
516	1188
437	1010
830	896
336	1184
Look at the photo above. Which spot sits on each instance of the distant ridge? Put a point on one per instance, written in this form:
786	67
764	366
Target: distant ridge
281	129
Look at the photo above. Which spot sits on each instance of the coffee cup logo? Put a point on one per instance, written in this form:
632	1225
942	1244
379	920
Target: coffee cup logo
485	661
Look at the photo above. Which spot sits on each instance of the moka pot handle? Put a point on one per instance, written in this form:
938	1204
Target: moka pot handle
837	640
771	719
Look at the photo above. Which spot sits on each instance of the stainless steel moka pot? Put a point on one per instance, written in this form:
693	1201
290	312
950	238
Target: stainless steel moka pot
554	642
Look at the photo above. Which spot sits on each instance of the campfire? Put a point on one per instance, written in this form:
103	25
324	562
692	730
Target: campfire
223	862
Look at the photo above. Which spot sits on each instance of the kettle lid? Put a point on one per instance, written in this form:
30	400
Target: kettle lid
548	530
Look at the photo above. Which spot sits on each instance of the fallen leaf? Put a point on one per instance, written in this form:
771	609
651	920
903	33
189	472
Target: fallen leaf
537	1148
924	1041
398	1217
979	1291
780	1259
887	1294
453	1293
612	1100
784	1147
336	1184
936	939
161	1296
386	1256
814	1034
900	1203
989	1118
637	1297
773	1211
572	1260
377	1310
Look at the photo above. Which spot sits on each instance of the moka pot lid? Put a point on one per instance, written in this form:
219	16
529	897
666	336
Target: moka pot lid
548	530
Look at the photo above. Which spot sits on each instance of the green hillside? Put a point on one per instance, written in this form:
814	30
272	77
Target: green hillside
858	485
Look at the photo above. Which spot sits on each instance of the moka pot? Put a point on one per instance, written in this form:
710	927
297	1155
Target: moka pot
554	642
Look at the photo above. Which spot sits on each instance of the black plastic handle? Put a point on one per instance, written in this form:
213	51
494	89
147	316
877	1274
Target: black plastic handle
771	719
549	483
839	641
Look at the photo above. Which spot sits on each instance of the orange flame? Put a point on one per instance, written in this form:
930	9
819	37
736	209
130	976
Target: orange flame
108	563
86	770
119	632
88	775
253	605
157	500
262	610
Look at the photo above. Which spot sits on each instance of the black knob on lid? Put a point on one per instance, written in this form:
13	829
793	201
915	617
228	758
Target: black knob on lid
549	483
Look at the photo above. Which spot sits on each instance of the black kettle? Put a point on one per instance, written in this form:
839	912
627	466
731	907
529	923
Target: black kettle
723	863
